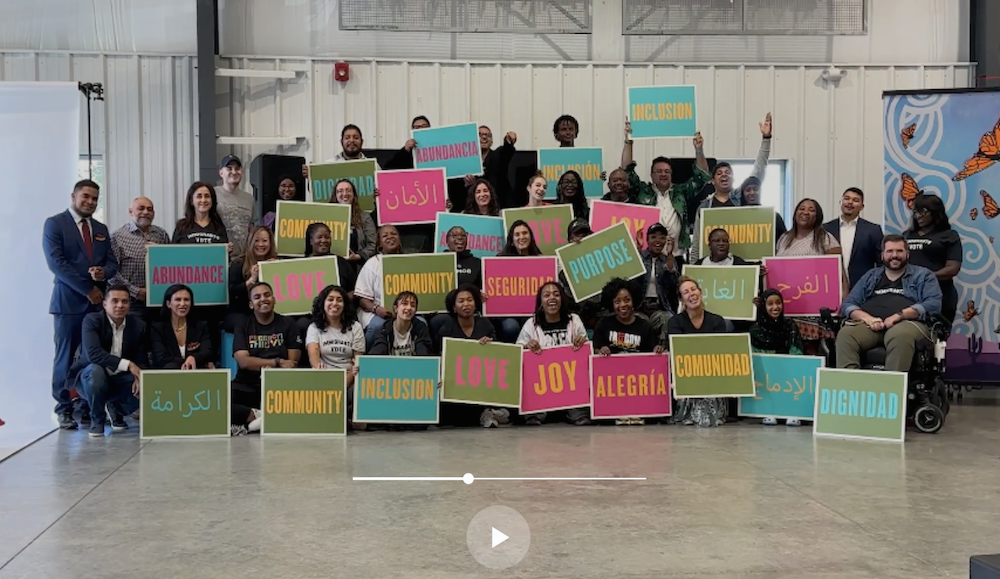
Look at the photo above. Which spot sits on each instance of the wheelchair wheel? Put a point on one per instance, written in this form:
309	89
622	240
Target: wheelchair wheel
928	419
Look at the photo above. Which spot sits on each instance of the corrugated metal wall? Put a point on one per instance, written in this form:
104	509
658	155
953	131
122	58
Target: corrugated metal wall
144	131
831	134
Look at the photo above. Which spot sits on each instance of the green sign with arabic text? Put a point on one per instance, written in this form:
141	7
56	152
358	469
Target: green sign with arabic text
728	290
184	403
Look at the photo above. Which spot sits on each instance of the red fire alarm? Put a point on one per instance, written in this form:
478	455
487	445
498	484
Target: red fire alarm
342	71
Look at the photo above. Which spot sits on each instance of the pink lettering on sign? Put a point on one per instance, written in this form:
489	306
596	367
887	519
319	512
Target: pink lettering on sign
556	379
637	218
476	371
295	286
630	386
807	284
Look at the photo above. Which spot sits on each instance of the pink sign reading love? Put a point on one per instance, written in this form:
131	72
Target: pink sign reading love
630	386
512	283
604	214
410	196
807	284
556	379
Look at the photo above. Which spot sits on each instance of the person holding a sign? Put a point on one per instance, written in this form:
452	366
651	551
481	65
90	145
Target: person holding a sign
569	191
407	335
623	332
201	222
129	243
178	340
369	288
553	325
618	188
751	198
718	247
334	339
362	241
660	279
590	309
520	243
286	192
694	319
244	273
773	333
482	199
537	186
496	164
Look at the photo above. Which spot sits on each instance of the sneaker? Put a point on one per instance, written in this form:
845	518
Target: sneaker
85	417
238	430
582	421
116	418
502	416
533	421
637	422
487	420
770	421
135	415
66	421
793	422
96	430
622	422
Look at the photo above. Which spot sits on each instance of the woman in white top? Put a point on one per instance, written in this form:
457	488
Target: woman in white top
369	285
553	325
335	339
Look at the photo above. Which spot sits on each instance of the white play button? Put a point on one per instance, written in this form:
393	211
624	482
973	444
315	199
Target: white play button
498	538
503	549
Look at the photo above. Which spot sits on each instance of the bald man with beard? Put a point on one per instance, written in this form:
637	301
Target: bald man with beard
129	243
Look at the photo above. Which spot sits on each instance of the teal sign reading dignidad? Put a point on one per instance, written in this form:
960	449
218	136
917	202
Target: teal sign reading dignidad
397	389
864	404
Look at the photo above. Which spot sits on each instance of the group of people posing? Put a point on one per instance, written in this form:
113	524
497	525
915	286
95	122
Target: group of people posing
105	335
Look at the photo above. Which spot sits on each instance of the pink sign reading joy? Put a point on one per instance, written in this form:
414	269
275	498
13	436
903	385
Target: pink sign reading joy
512	283
807	284
556	379
410	196
630	386
604	214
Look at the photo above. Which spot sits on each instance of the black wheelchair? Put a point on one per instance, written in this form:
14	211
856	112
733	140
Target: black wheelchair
927	395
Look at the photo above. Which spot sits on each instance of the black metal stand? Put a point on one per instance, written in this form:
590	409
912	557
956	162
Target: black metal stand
92	92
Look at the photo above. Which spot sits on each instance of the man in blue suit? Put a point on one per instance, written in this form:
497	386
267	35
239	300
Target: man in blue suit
78	252
860	240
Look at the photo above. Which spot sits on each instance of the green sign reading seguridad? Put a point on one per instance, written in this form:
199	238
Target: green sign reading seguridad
866	404
304	402
711	365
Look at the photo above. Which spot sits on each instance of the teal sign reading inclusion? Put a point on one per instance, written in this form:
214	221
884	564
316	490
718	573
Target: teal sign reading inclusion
860	404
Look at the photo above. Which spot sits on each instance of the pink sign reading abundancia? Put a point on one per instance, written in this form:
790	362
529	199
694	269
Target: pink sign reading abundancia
604	214
630	386
556	379
512	283
410	196
807	284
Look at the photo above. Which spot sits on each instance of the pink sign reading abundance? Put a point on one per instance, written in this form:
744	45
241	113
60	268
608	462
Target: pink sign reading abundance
512	283
556	379
630	386
410	196
807	284
604	214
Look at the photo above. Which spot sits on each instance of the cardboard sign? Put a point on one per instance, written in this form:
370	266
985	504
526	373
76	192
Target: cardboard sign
512	283
411	196
184	403
486	234
202	267
807	284
657	112
864	404
588	163
323	179
429	275
599	258
487	374
300	402
711	365
556	379
750	229
397	390
630	386
548	223
786	387
638	218
292	218
454	148
728	290
297	282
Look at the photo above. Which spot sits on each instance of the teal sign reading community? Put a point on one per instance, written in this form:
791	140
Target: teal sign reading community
866	404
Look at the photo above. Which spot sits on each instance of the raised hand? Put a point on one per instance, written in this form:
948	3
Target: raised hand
765	126
699	141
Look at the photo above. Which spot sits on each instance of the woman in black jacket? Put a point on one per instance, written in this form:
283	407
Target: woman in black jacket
178	340
406	335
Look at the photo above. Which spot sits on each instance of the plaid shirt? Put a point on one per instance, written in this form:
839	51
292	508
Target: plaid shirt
680	196
129	246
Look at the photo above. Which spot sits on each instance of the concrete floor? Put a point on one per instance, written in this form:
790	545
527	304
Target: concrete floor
738	501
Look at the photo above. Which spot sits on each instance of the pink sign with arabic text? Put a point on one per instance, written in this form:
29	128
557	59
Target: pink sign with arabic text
630	386
410	196
556	379
512	283
807	284
604	214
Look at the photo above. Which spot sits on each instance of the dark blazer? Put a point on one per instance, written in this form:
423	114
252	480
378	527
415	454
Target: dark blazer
68	262
97	338
866	253
167	355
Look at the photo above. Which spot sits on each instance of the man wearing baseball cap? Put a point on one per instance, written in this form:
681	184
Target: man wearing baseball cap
235	205
659	283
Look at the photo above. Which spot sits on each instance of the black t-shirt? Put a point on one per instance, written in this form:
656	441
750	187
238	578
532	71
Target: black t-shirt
624	339
194	233
268	341
887	298
934	250
726	203
681	324
555	333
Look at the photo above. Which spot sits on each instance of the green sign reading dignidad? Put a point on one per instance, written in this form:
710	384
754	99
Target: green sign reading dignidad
863	404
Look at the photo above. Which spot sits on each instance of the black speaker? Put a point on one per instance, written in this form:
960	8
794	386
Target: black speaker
266	172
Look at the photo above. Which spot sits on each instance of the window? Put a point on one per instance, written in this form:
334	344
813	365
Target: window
98	168
773	185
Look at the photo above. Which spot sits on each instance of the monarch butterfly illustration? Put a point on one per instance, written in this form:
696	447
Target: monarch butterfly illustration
990	207
973	213
908	190
970	311
986	156
907	135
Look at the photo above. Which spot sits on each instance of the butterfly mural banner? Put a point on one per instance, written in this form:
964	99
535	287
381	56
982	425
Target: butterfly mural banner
947	143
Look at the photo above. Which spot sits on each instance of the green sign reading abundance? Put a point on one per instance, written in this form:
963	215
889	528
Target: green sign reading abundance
323	180
297	282
431	276
292	218
711	365
751	230
728	290
475	373
548	223
865	404
306	402
599	258
177	403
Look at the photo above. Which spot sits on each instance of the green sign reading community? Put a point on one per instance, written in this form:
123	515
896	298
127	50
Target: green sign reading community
304	402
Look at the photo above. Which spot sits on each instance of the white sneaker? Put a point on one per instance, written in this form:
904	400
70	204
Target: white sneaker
502	415
237	429
793	422
487	420
769	421
256	423
622	422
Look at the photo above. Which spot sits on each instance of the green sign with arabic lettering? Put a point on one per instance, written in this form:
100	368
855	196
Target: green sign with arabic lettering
303	402
785	387
711	365
323	179
184	403
728	290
